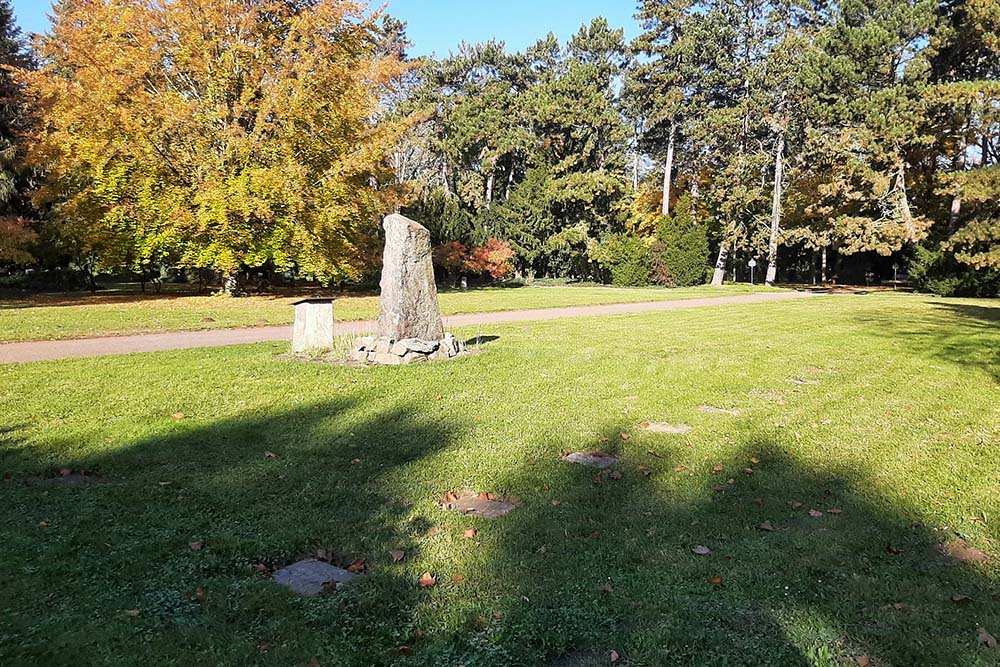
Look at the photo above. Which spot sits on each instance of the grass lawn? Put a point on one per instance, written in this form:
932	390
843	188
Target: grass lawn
48	317
899	433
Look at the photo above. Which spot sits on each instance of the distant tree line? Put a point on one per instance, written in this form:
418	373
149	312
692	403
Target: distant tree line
829	140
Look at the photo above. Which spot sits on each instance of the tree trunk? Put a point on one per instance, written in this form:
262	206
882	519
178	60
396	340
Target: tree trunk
956	200
720	264
772	245
489	190
444	178
822	267
635	171
668	168
904	204
229	284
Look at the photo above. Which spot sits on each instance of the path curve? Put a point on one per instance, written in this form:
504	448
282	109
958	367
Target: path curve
46	350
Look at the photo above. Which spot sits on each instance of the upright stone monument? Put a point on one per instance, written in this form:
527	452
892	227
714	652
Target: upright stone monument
408	307
409	320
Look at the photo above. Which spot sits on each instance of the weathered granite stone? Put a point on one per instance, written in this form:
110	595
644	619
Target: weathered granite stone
422	346
398	348
413	357
383	345
364	343
387	359
475	505
408	307
312	577
451	344
595	460
440	354
313	328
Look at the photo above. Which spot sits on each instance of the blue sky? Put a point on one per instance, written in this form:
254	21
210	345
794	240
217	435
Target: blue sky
437	26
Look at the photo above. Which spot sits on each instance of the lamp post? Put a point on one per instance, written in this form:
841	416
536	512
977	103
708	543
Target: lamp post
895	276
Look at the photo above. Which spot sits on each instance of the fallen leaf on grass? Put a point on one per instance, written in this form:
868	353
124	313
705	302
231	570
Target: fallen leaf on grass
889	549
404	650
985	638
132	612
700	550
716	488
357	566
834	510
862	661
450	497
718	468
715	580
397	556
748	471
178	415
199	594
652	453
767	525
459	578
816	514
958	598
615	475
555	503
606	588
470	533
614	656
754	461
270	455
680	469
794	504
196	546
626	436
427	580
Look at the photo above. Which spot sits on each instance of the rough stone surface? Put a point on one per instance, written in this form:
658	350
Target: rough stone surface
363	343
387	359
663	427
408	307
474	505
383	345
413	357
312	577
313	328
407	351
594	460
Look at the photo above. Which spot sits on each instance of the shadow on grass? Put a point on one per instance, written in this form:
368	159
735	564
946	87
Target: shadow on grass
607	567
953	332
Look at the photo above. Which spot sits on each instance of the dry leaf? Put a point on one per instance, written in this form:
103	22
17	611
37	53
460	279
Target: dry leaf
985	638
270	455
718	468
132	612
900	605
199	594
715	580
626	436
470	533
701	550
450	497
427	579
794	504
606	588
889	549
357	566
863	661
958	598
196	546
405	650
555	503
767	525
458	577
483	495
834	510
680	469
178	415
397	556
614	656
754	461
615	475
815	514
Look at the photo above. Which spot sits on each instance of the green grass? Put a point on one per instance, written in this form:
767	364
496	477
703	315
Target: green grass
901	435
49	317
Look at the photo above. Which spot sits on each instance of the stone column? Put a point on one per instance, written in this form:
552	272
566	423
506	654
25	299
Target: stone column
408	307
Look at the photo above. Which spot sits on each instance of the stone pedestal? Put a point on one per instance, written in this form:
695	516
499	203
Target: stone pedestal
313	328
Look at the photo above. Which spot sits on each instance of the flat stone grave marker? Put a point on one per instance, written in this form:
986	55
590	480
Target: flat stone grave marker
597	460
312	577
664	427
712	410
475	504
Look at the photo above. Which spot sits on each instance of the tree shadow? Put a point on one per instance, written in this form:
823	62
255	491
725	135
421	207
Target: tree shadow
953	332
184	528
588	562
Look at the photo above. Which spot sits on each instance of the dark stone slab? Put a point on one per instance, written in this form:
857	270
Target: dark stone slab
312	577
594	460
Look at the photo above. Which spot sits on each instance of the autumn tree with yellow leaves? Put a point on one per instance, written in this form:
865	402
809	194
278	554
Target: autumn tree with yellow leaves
216	134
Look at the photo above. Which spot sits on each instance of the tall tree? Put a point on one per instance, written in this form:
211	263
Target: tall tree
224	133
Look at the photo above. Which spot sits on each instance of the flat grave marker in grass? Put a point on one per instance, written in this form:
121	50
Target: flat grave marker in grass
312	577
664	427
598	460
483	505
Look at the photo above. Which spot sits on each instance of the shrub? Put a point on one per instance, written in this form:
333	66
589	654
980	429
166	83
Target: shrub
625	258
938	272
495	257
681	256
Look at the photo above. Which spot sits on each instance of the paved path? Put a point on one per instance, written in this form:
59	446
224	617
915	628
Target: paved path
96	347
